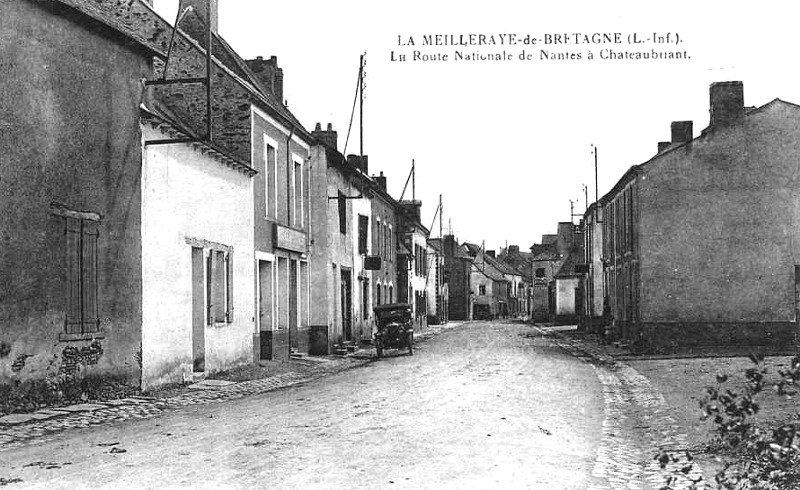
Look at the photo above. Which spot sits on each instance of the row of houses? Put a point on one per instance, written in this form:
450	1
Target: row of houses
698	246
167	216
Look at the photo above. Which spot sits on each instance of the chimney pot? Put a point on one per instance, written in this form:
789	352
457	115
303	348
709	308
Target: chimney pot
663	145
330	127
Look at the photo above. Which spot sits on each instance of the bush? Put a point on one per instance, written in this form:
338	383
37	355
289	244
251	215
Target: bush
757	457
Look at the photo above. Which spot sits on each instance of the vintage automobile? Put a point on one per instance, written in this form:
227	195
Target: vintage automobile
394	328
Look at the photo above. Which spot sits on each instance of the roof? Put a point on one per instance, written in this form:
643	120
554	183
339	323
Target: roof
495	269
636	169
134	19
192	26
165	123
546	256
567	268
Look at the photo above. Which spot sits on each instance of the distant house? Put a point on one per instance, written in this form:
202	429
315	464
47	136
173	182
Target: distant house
521	263
343	243
594	319
438	288
556	293
490	287
384	245
698	242
414	265
457	270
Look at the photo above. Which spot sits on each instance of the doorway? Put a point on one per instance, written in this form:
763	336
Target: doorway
347	305
198	312
265	310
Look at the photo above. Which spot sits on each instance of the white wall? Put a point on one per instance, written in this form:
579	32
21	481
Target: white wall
187	194
565	296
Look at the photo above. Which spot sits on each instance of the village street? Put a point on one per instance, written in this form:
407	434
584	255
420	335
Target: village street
485	405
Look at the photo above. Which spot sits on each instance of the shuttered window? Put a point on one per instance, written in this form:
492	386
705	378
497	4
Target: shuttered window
342	201
82	315
363	224
219	287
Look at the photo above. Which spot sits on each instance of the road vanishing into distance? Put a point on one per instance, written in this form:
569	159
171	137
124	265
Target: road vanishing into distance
484	405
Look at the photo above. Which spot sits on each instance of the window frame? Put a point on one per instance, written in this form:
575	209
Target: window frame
270	178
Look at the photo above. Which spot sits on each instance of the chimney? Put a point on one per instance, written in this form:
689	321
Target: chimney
329	137
201	7
491	253
663	145
566	238
682	131
727	103
513	250
449	245
380	180
270	75
411	209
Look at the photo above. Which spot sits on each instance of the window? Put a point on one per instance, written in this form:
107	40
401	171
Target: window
298	194
270	169
378	237
386	241
342	213
219	287
391	294
363	224
378	294
540	272
482	290
391	244
81	263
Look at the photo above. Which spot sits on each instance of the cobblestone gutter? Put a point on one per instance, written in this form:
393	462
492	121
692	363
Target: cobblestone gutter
637	425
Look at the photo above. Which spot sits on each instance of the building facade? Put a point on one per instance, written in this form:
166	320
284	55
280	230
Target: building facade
414	272
249	119
71	307
698	245
197	256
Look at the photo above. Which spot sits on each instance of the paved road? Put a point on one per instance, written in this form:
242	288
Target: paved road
487	405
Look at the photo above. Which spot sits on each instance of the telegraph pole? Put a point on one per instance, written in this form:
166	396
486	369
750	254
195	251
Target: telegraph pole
361	105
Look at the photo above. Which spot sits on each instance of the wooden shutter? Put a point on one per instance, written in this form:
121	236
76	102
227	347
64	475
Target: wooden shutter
73	275
210	288
363	223
219	286
89	315
229	287
342	201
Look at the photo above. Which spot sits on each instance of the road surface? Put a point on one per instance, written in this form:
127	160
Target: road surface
485	405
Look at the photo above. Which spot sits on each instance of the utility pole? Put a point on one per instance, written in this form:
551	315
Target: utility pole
361	105
596	187
413	180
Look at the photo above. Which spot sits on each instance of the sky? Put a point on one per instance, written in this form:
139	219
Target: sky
508	144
